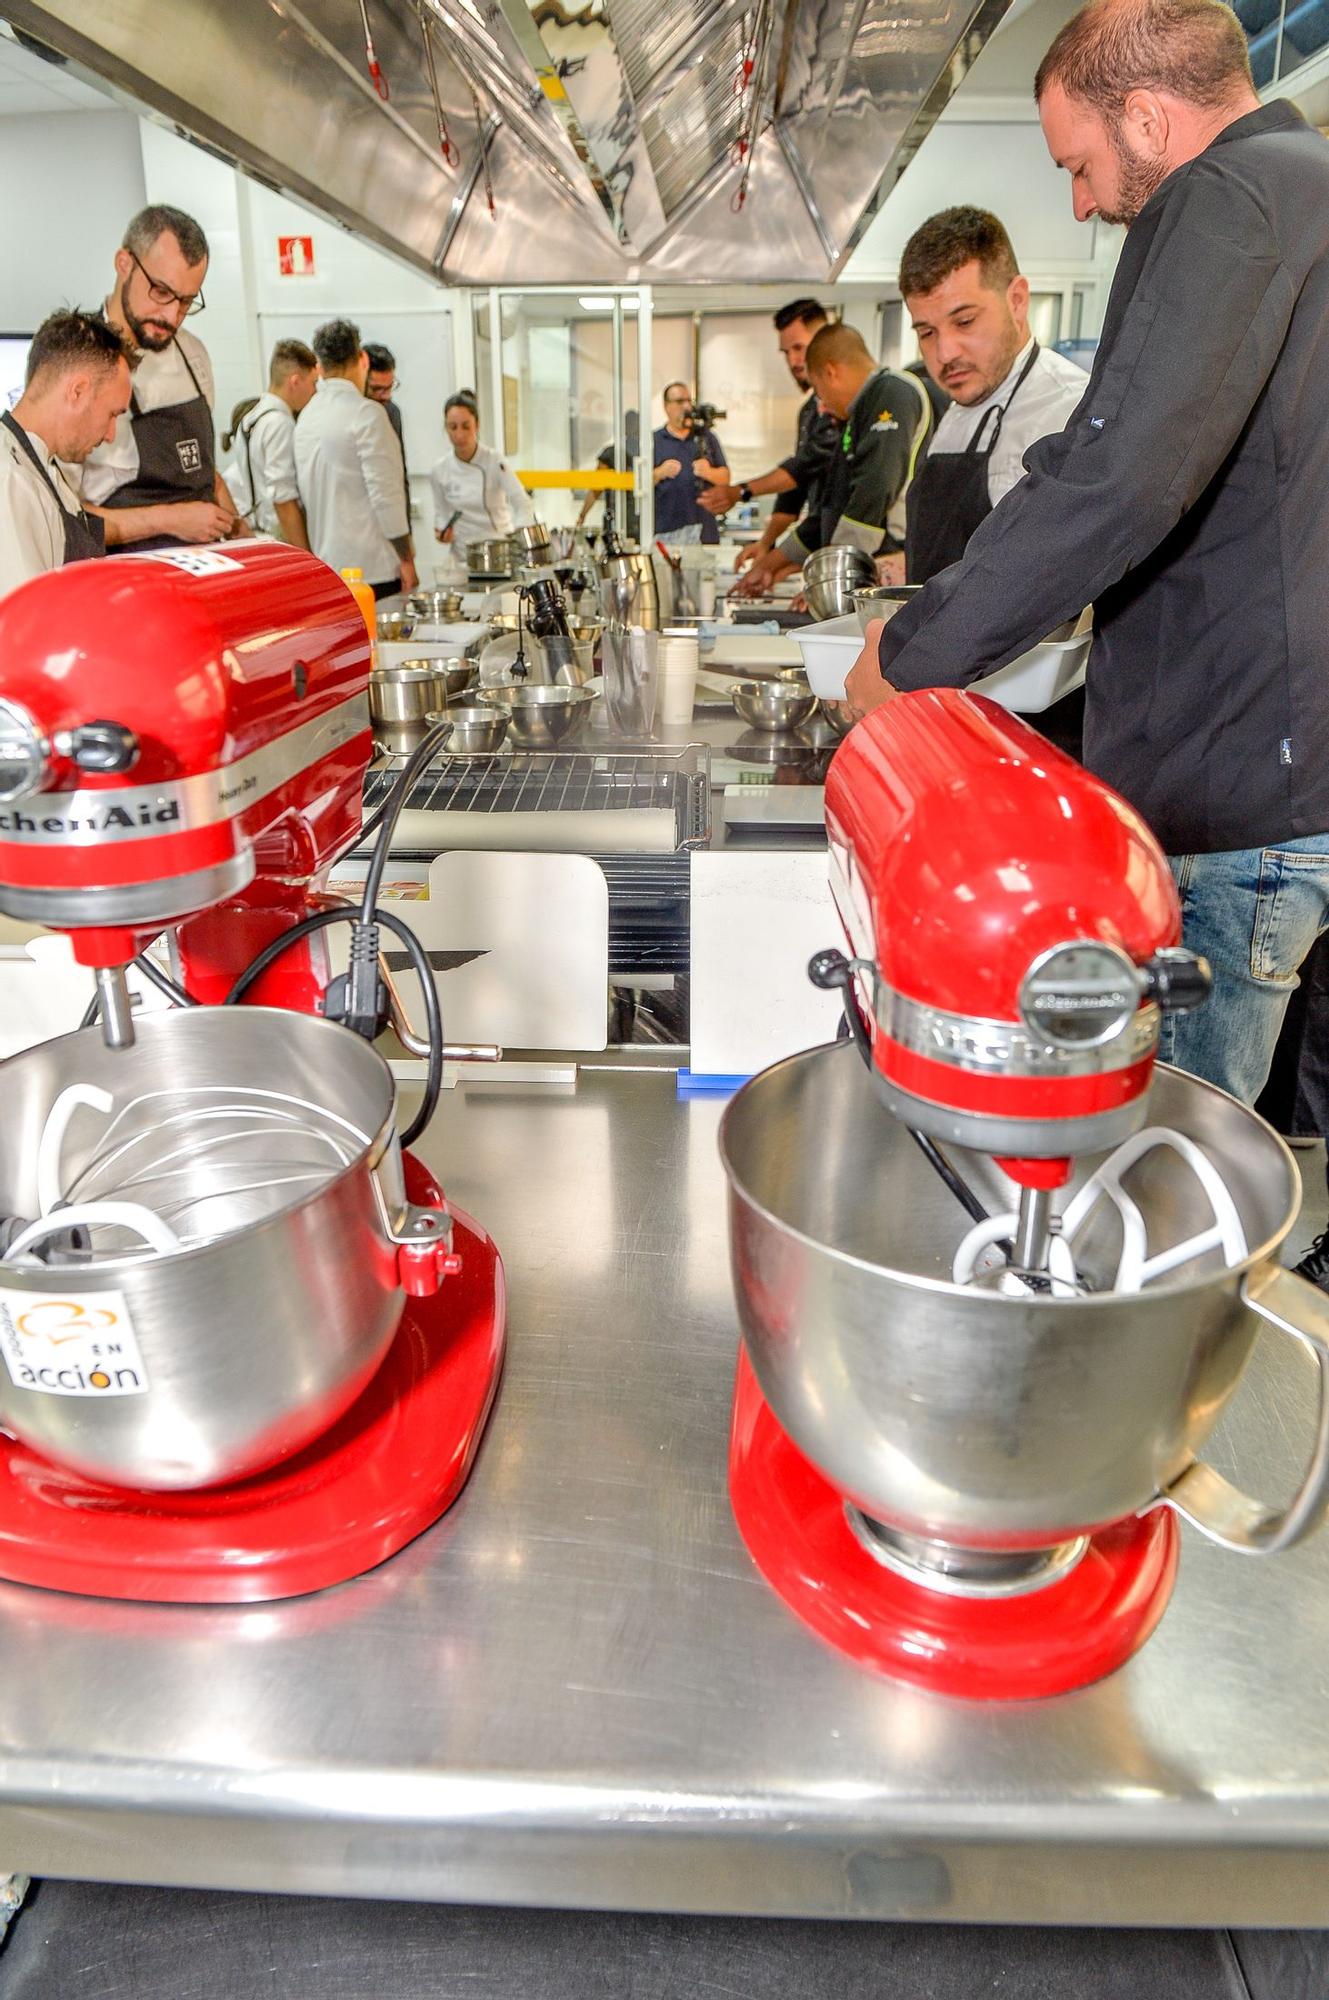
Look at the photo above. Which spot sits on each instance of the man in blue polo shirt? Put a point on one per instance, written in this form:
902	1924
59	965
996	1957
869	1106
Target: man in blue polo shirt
684	460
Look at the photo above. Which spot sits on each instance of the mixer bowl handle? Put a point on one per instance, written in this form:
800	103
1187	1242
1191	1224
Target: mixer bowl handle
1211	1503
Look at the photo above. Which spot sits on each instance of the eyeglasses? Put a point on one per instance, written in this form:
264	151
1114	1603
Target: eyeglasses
678	399
166	295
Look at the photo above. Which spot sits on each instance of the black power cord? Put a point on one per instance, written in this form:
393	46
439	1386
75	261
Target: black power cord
320	920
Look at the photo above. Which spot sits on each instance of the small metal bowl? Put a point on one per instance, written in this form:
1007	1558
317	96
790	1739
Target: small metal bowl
832	575
882	600
542	717
772	705
476	732
395	625
434	606
449	672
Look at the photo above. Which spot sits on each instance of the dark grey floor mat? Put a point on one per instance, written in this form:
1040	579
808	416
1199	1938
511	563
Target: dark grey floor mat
83	1941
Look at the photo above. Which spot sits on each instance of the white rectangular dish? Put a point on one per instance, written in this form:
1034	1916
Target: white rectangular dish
1028	685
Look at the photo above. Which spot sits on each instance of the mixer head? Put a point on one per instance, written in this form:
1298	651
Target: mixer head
1015	929
177	729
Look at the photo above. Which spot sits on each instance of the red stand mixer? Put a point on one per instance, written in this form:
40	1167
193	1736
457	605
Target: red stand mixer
298	1375
964	1421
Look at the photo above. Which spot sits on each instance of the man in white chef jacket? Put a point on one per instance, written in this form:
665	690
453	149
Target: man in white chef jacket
348	466
969	306
156	484
77	387
261	470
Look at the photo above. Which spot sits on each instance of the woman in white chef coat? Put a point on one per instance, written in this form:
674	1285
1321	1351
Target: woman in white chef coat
476	497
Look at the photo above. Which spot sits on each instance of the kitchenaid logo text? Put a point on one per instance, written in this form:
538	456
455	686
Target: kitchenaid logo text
79	1345
111	819
182	805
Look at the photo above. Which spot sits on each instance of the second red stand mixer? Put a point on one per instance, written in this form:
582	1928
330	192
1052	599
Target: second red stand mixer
246	1348
997	1273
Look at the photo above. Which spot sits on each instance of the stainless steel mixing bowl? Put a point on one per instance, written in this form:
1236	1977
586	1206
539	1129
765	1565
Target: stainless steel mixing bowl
986	1421
434	606
774	704
831	576
476	732
541	718
252	1343
882	600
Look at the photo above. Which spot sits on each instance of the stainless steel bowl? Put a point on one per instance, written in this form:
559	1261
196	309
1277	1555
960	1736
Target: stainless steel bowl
252	1341
773	705
531	543
400	739
490	558
882	600
832	575
408	694
476	732
434	606
395	625
542	717
981	1420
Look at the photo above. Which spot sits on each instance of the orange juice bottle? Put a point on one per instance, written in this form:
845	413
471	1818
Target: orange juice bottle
354	579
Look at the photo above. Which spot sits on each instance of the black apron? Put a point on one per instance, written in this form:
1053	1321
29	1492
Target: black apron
176	460
948	495
84	534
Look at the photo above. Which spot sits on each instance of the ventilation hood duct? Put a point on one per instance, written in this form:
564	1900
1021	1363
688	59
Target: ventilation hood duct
616	138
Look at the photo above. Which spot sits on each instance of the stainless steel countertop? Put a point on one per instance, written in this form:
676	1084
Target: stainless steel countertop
576	1690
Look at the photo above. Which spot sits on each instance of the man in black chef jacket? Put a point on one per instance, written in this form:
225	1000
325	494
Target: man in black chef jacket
1187	500
797	481
156	484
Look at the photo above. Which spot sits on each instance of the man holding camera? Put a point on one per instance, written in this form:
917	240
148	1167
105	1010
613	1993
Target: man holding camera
686	452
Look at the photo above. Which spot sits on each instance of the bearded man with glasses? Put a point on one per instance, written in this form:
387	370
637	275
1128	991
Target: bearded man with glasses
156	484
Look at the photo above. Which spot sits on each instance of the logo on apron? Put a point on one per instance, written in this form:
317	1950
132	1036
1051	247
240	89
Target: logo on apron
189	454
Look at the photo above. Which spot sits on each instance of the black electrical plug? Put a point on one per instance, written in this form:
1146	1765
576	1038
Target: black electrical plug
358	999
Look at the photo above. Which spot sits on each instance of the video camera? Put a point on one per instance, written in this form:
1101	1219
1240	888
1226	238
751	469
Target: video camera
704	417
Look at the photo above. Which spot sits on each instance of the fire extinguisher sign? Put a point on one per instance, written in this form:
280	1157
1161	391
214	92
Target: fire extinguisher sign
295	256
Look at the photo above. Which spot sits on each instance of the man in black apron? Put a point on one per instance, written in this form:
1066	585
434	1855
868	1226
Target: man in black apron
156	484
77	387
969	307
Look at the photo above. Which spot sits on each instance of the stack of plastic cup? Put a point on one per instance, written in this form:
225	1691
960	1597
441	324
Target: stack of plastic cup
676	675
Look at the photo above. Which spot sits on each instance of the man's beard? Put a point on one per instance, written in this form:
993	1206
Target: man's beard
1137	180
155	342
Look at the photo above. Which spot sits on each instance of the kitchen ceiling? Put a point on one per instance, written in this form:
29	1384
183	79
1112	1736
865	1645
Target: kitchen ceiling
542	141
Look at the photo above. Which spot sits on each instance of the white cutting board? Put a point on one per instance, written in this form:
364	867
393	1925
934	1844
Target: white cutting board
531	934
756	921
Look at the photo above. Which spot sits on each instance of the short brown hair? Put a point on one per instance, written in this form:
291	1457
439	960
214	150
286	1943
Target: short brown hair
949	241
73	339
287	356
835	343
1194	49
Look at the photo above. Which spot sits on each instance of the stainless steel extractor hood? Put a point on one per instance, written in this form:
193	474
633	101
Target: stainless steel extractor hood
539	141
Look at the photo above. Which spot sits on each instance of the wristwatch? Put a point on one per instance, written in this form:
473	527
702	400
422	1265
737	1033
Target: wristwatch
745	494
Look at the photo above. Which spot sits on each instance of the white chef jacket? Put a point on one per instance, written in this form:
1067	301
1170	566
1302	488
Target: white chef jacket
348	468
160	381
32	533
492	499
264	441
1051	391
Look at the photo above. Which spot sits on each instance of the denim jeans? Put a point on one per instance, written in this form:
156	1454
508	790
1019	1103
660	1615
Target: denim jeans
1255	914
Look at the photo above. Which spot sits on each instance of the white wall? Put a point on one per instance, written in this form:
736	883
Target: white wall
1001	165
72	180
387	301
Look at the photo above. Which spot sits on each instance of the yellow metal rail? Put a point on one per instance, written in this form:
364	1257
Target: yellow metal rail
595	480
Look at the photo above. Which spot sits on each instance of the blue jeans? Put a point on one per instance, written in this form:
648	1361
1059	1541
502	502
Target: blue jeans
1255	914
